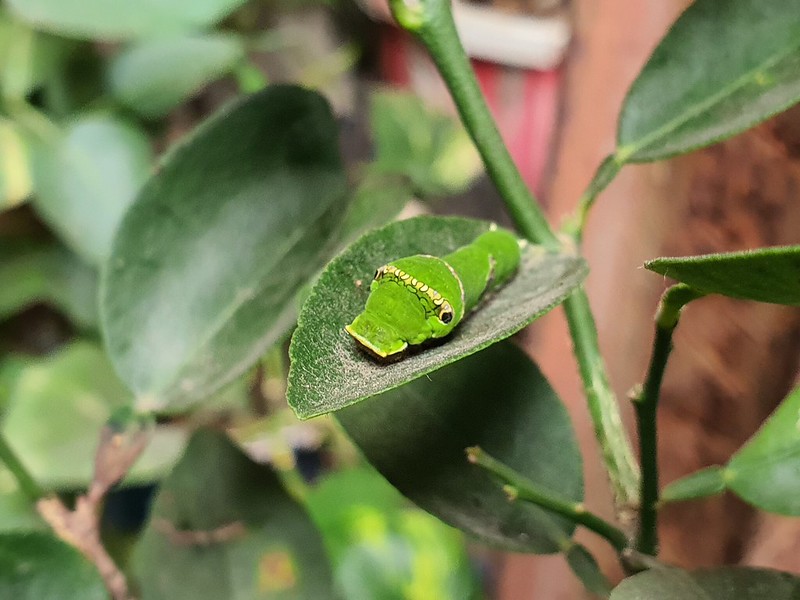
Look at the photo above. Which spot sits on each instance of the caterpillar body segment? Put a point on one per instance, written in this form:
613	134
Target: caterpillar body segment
423	297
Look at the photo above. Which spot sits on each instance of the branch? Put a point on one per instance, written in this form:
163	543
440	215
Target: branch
120	447
519	488
646	404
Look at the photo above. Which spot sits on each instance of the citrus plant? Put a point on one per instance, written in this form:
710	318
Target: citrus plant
183	279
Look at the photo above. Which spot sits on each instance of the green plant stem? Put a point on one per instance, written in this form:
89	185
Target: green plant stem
519	488
432	22
602	401
26	482
604	175
646	404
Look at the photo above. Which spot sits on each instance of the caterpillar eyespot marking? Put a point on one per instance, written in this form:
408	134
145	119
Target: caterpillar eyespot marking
434	293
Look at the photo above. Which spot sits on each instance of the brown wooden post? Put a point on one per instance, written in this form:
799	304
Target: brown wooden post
733	360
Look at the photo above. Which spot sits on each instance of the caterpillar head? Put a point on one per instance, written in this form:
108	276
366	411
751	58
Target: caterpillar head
376	335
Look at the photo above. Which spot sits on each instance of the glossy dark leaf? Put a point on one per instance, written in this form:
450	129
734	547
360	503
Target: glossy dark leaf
207	263
37	566
726	583
497	399
222	526
766	274
721	68
329	372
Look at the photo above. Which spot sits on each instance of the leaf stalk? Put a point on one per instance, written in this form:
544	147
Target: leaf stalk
517	487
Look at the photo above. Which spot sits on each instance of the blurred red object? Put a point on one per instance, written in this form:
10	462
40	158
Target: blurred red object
523	96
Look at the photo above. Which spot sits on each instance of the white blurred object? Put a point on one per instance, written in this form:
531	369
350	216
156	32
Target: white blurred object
528	42
535	41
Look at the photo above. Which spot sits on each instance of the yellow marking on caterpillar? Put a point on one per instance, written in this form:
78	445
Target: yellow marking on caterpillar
414	285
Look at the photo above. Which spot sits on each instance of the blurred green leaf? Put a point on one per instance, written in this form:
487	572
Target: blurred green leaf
35	271
15	171
721	68
223	527
705	482
433	150
17	512
766	471
329	372
382	547
86	177
585	567
726	583
11	367
207	263
56	409
120	19
153	76
765	275
497	399
28	59
377	199
37	566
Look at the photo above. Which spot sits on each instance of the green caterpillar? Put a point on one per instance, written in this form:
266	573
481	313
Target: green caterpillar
424	297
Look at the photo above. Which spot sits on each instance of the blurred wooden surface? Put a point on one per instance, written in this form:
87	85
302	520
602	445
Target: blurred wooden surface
733	360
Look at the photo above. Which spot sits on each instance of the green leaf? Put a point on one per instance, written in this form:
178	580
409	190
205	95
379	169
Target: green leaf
382	547
119	19
17	512
723	67
37	566
56	409
223	527
207	263
432	149
584	565
416	435
33	271
15	172
329	372
765	275
377	199
726	583
154	76
29	59
766	471
705	482
86	177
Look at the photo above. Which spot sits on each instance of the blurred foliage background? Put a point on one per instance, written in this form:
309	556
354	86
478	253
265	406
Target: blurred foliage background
93	95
